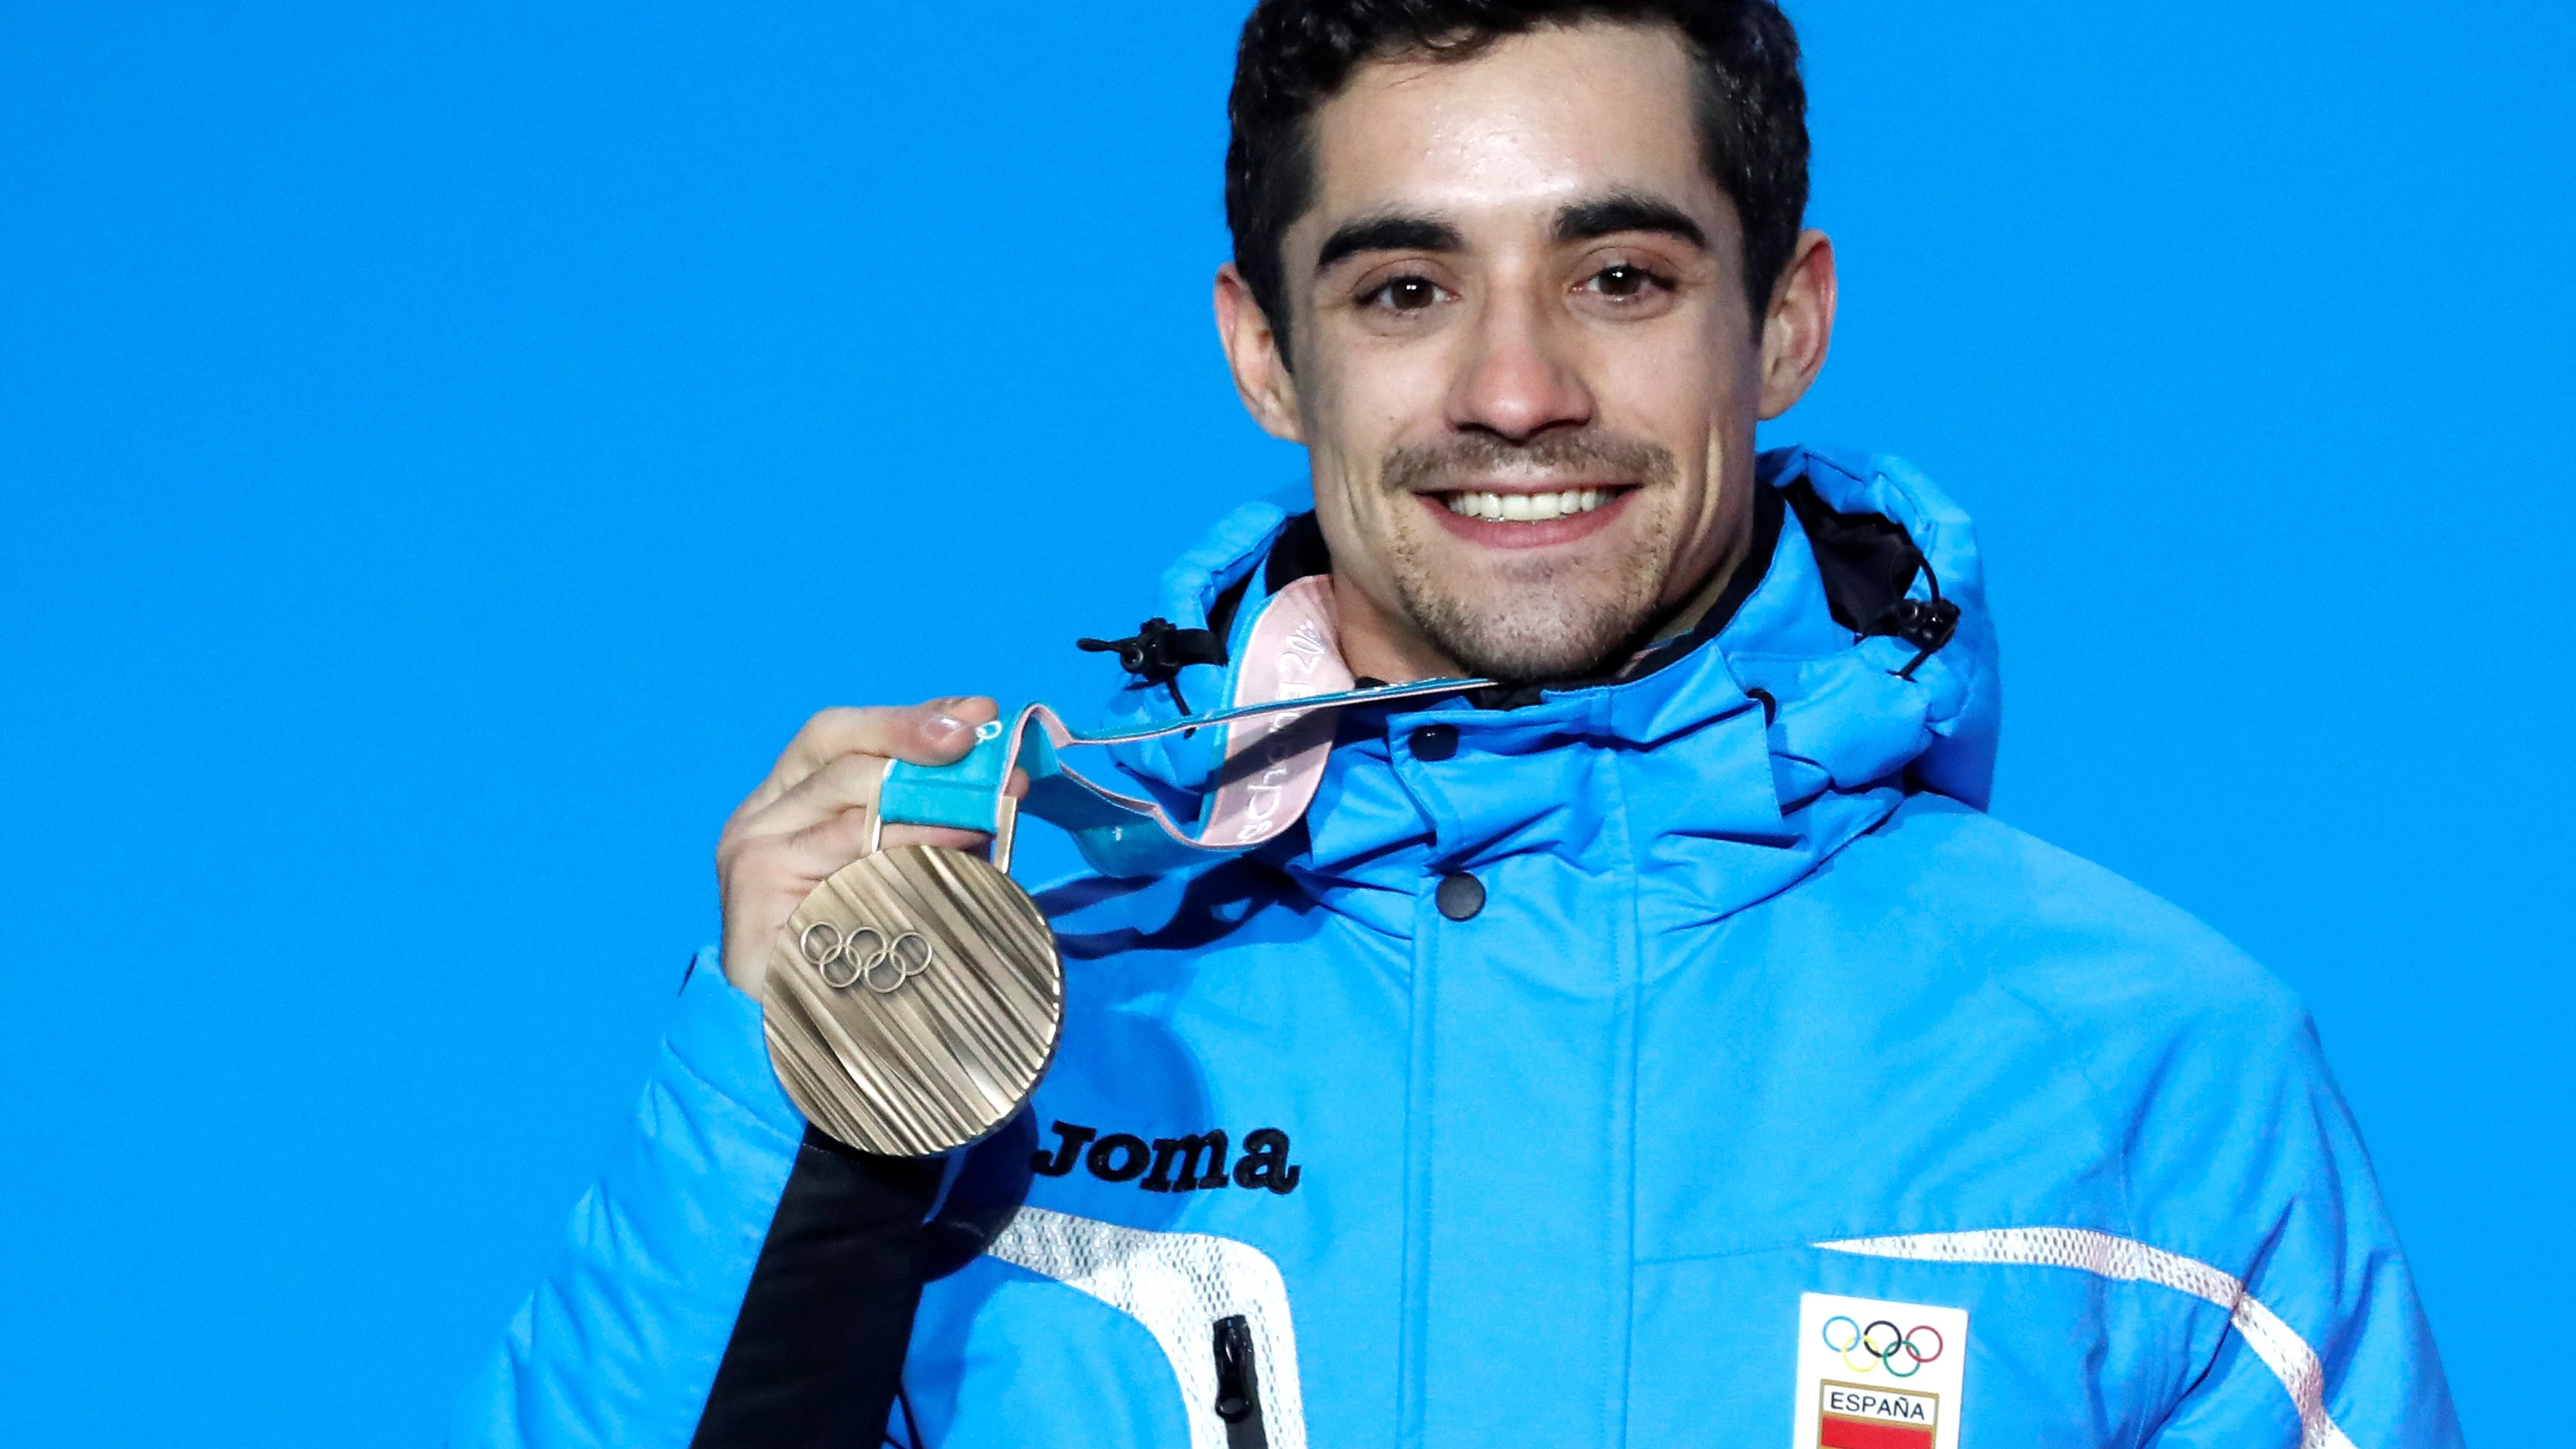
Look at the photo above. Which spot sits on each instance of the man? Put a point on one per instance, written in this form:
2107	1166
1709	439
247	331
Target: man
1654	1046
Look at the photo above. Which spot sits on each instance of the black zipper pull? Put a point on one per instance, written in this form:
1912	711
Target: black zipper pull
1158	650
1238	1386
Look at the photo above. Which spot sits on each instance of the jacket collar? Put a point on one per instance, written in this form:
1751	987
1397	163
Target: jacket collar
1839	710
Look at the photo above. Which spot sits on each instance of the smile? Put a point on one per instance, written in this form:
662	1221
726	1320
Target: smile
1527	507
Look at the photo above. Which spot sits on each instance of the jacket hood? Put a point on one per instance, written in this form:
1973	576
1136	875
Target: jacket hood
1861	683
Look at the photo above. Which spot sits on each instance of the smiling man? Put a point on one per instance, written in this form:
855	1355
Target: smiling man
1642	1037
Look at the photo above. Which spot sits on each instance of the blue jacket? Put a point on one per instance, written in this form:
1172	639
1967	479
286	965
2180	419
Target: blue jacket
1684	1059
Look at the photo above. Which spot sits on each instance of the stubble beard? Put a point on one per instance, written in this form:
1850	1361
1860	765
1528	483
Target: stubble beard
1543	619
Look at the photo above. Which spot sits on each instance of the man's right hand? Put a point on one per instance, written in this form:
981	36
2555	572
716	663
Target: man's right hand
810	817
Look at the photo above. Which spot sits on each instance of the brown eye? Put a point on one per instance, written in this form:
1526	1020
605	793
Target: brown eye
1622	281
1406	294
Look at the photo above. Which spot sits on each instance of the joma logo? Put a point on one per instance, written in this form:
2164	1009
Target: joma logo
1171	1164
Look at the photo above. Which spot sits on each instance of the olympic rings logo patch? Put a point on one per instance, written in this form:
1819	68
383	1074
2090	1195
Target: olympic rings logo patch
867	955
1882	1345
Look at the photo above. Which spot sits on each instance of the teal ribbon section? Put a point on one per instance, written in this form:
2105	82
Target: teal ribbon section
964	796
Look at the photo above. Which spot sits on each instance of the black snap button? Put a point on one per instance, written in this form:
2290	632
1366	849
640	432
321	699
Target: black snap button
1460	896
1435	742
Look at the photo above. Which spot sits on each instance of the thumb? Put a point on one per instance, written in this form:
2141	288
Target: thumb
943	730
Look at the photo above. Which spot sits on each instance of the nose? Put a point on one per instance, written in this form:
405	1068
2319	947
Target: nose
1517	380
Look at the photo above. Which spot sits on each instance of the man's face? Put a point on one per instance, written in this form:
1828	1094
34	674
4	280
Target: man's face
1525	367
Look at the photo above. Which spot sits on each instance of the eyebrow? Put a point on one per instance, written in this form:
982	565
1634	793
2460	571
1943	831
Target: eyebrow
1387	232
1627	211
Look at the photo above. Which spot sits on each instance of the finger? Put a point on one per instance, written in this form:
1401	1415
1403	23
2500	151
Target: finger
936	733
846	783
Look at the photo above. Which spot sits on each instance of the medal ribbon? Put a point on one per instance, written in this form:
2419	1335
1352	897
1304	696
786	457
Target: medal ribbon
1274	760
1289	690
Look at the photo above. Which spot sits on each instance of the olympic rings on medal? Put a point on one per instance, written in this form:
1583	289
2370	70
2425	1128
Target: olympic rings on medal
1882	1344
884	963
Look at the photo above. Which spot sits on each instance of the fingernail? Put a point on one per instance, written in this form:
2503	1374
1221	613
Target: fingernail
941	726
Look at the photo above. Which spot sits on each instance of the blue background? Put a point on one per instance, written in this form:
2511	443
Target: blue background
446	451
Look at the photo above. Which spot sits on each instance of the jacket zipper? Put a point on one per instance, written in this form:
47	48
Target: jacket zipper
1238	1386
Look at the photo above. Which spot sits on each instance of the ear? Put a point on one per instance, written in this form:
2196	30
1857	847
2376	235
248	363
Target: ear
1252	350
1800	327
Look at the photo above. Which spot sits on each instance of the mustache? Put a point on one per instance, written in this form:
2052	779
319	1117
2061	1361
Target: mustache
1451	463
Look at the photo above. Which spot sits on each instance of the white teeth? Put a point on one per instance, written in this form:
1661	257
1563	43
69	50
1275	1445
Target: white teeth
1526	507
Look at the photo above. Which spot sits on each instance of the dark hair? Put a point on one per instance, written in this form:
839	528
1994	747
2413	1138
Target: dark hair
1297	54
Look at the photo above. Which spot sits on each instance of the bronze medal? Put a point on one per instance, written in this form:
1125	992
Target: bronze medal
914	1001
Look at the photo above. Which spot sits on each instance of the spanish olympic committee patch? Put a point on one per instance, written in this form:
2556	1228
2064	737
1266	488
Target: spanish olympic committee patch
1875	1375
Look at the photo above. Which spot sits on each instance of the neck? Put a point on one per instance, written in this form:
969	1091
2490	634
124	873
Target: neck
1687	615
